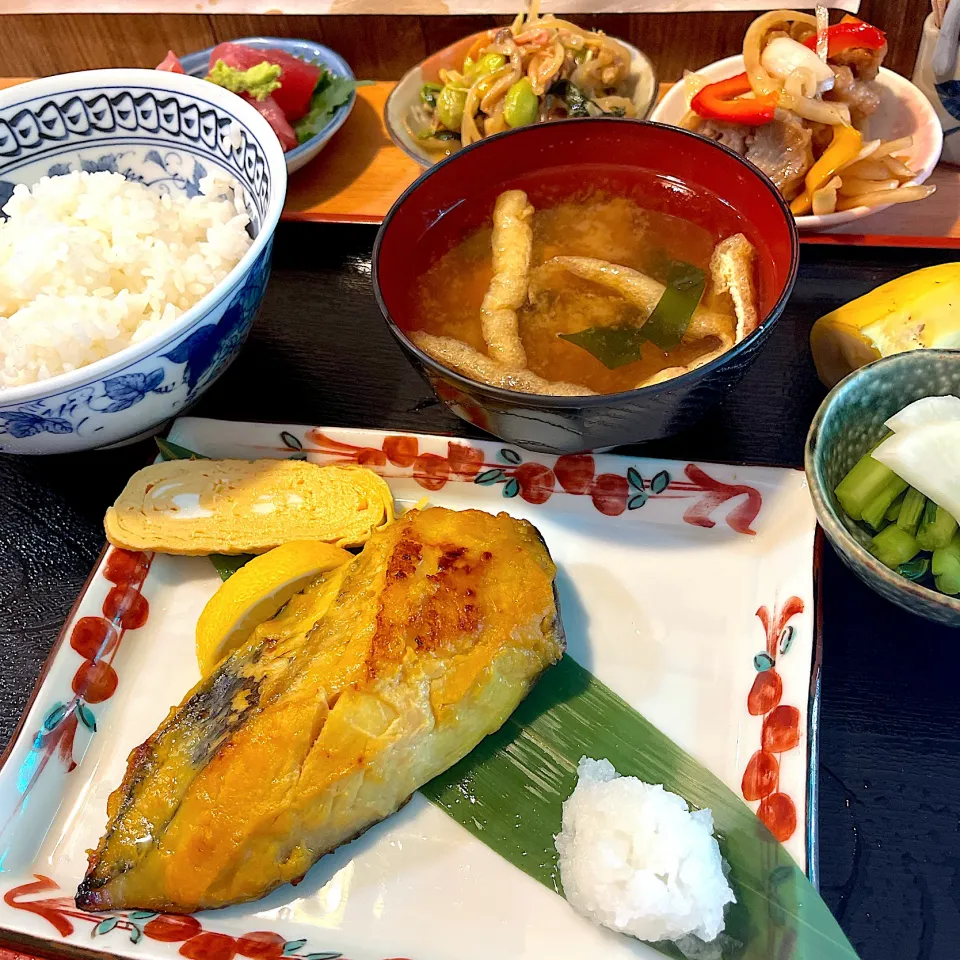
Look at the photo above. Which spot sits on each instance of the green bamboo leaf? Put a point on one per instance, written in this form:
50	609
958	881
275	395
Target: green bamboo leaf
225	566
509	792
173	451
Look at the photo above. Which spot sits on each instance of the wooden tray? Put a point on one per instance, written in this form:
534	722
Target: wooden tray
359	175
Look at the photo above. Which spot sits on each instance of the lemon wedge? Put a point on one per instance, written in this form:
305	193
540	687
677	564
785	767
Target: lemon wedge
256	592
919	309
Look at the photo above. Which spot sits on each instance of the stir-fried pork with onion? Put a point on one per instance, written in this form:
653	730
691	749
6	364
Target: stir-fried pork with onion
800	109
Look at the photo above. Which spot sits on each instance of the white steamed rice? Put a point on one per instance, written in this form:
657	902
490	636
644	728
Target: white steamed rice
91	263
635	858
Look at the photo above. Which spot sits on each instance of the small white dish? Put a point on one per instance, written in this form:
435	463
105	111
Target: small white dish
406	93
197	64
904	111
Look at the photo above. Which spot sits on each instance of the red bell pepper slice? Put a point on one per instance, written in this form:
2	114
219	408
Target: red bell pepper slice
850	34
717	101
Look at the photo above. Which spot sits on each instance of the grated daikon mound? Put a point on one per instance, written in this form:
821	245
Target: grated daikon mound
634	858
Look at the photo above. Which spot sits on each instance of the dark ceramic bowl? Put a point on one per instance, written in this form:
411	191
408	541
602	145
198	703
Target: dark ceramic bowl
848	424
456	196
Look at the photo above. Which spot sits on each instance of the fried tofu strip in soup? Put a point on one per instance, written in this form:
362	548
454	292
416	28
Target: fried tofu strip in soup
471	363
512	248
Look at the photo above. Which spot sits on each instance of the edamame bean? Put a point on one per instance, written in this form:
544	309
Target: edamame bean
450	104
520	104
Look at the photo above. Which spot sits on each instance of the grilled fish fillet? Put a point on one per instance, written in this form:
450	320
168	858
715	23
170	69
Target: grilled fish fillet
302	739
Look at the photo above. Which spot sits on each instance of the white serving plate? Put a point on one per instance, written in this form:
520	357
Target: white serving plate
663	592
904	111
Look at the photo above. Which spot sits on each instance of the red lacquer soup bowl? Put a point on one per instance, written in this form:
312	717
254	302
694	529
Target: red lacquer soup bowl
667	169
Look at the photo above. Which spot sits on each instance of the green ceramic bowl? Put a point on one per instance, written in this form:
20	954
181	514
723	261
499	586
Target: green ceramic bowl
849	422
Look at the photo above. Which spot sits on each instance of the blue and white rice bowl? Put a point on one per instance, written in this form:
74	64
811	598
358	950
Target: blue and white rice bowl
166	131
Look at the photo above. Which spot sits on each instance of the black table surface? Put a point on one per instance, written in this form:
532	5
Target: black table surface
319	353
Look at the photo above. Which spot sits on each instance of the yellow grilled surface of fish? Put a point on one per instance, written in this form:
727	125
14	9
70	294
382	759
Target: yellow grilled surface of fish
315	730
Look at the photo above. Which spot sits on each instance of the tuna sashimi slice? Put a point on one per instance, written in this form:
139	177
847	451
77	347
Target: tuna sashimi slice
298	79
171	63
272	113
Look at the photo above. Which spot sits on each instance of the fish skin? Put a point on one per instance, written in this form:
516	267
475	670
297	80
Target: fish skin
315	730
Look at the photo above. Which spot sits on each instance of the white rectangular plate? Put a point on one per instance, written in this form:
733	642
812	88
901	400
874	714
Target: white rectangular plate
687	588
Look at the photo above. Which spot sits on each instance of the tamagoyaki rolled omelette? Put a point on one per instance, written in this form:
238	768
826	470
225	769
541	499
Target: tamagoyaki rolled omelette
303	738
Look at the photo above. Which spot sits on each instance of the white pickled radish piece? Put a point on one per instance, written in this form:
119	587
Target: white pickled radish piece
928	458
782	55
929	410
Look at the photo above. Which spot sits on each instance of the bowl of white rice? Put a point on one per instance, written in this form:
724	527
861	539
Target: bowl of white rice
137	214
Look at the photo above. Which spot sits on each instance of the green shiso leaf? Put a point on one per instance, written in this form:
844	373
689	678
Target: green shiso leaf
509	792
329	95
225	566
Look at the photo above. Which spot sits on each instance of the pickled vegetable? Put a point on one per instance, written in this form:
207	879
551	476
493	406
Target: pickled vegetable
893	546
911	511
937	527
946	567
875	510
865	481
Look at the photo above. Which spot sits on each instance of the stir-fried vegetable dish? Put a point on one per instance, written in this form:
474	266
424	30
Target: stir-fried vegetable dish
539	68
800	109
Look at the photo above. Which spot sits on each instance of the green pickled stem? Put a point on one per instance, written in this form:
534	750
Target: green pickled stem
862	484
911	511
875	510
893	511
893	546
936	528
946	567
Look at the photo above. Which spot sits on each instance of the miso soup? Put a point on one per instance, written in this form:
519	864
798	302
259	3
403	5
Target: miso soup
641	245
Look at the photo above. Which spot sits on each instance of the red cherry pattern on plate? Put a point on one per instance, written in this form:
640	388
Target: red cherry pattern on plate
780	730
611	493
195	942
96	640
